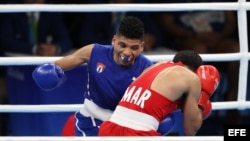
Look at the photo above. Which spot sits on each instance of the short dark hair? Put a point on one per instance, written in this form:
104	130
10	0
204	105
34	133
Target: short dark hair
131	27
189	58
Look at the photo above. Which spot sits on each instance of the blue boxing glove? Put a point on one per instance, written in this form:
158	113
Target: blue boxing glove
48	76
166	125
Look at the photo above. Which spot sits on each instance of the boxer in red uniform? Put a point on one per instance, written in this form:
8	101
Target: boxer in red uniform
165	87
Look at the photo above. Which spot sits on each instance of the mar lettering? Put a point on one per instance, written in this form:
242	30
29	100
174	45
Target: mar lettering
136	95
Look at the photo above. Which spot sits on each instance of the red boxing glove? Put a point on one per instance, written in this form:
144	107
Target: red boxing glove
204	98
207	110
209	77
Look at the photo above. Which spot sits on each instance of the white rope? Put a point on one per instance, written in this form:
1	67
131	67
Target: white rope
243	42
166	138
243	56
241	6
74	107
34	60
8	61
120	7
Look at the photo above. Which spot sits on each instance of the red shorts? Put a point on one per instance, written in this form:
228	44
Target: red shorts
108	128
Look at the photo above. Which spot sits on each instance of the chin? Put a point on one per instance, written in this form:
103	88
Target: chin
126	64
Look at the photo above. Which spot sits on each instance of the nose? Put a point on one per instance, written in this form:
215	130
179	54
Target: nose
126	55
127	52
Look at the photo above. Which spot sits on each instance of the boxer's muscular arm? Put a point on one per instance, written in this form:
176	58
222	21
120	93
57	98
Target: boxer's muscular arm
49	76
191	111
198	96
79	57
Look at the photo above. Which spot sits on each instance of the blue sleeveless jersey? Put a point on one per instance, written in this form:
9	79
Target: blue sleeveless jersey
108	80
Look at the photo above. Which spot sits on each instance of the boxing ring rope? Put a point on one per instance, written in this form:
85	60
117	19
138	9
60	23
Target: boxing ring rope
206	138
243	56
124	7
8	61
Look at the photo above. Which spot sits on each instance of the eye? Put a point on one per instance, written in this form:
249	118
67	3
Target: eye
136	47
121	44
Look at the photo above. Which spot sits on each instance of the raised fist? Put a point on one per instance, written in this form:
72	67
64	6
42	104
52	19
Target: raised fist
48	76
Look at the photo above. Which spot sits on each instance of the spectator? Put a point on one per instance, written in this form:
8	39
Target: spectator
35	33
207	32
100	27
73	21
52	39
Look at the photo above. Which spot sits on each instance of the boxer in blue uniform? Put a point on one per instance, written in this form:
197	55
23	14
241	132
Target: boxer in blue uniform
111	68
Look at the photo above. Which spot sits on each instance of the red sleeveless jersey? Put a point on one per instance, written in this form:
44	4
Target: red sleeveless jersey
141	109
141	98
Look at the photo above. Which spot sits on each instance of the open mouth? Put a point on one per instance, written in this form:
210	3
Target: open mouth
125	59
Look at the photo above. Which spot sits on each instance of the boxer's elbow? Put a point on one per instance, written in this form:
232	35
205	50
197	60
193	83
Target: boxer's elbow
192	128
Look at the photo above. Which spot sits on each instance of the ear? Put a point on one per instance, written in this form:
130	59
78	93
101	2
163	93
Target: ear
113	40
142	46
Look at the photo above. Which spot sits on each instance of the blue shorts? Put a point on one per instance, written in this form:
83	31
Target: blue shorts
86	126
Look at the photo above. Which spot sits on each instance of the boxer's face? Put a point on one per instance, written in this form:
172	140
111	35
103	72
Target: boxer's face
126	50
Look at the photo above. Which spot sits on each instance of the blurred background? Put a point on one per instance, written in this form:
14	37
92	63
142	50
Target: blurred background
60	33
